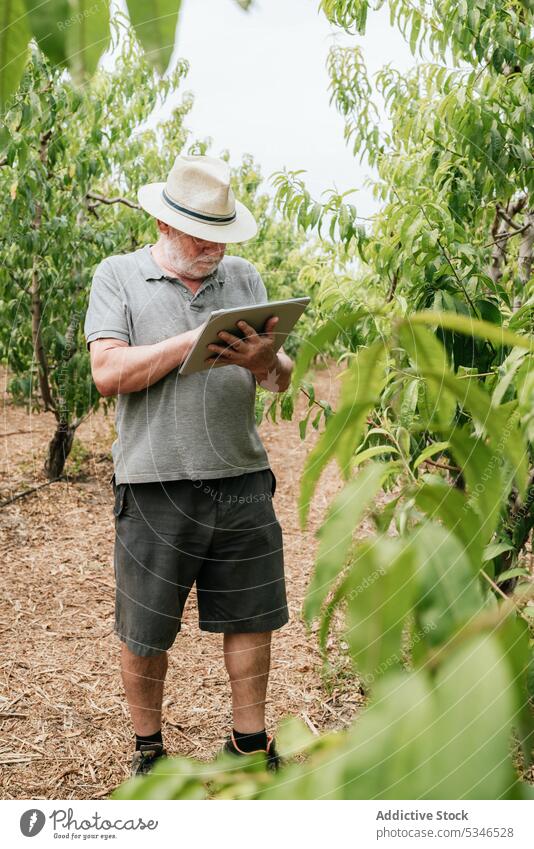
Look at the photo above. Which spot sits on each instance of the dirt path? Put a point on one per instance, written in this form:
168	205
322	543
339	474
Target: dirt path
64	726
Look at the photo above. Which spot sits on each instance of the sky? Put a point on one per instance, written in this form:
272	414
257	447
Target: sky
261	87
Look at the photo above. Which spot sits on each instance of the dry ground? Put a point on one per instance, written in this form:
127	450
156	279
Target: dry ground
64	726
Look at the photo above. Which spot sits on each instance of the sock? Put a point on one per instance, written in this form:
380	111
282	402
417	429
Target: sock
251	742
147	738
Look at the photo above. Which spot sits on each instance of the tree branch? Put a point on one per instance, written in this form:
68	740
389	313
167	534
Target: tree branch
29	491
517	231
109	201
392	288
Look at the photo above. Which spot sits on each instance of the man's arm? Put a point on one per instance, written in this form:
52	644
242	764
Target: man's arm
120	368
278	377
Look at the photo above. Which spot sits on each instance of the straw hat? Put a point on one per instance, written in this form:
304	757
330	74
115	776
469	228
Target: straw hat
198	199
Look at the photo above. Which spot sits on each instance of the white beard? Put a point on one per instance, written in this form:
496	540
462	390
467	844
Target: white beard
193	268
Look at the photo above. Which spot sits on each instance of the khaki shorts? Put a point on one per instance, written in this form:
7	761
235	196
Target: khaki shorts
222	534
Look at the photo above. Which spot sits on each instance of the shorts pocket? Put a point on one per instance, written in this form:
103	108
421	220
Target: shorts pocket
273	485
120	493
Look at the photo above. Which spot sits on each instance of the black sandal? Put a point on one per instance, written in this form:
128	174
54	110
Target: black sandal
144	758
274	761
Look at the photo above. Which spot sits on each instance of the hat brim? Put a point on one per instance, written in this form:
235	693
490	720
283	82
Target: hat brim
242	228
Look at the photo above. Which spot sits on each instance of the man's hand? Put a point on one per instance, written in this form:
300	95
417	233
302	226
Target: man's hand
255	352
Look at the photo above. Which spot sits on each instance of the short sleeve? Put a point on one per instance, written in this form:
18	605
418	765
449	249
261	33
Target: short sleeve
106	314
258	288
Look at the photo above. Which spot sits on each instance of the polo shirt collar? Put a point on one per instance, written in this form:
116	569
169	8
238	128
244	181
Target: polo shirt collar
151	270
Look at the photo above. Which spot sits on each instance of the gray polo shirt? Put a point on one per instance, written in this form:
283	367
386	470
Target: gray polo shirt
196	426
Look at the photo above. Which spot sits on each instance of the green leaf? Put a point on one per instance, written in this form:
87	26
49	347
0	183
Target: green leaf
303	423
393	742
494	549
449	592
293	736
175	778
403	440
375	451
528	74
380	591
14	37
428	354
155	27
501	423
49	23
416	27
486	488
317	342
362	384
317	419
286	406
408	404
430	451
440	501
335	534
514	638
517	572
472	327
383	518
508	369
474	714
87	37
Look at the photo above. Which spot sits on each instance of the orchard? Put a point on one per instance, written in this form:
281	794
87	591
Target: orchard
419	600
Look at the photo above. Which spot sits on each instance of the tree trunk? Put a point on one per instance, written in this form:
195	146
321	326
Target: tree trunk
524	259
499	230
38	347
503	228
59	449
517	527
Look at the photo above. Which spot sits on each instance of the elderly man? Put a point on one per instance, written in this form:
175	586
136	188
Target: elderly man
192	481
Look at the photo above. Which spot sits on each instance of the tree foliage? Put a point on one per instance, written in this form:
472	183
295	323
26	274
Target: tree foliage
455	228
72	158
74	34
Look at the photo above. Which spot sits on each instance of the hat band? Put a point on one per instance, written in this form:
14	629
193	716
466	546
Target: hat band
198	216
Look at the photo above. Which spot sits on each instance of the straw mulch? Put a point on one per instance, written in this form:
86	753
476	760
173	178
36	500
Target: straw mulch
64	725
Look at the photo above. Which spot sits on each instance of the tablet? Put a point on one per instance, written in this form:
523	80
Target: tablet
288	311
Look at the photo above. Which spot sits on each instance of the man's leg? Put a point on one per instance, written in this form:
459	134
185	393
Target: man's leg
143	679
247	658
